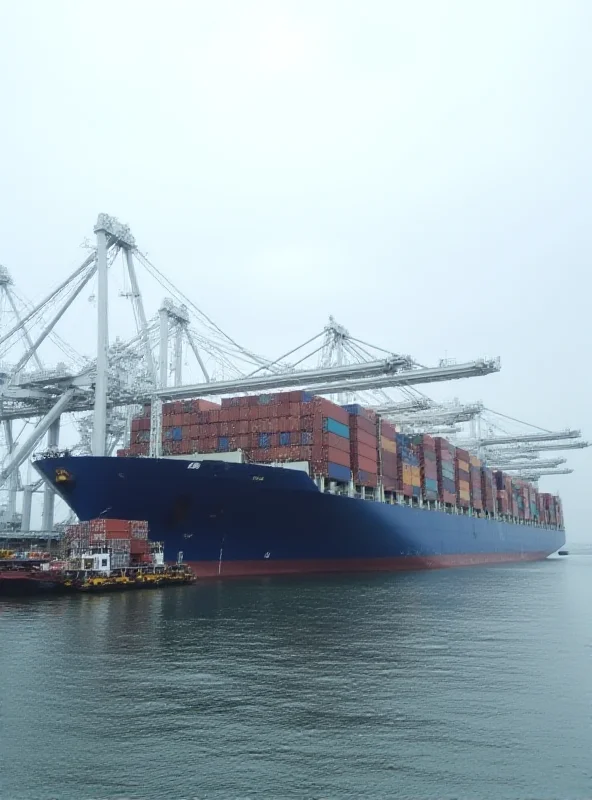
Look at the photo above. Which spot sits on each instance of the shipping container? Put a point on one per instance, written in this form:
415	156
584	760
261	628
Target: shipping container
333	426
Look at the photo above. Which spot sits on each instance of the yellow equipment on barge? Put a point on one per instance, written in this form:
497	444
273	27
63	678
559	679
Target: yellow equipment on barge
140	577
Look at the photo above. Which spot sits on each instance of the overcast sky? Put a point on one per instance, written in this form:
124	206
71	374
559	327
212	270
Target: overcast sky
420	170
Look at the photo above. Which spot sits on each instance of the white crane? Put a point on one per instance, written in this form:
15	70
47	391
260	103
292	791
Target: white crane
512	466
124	374
521	437
534	475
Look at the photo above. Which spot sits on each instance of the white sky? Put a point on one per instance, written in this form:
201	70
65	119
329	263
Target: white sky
419	170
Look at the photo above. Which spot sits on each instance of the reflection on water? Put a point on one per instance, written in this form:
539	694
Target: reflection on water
460	683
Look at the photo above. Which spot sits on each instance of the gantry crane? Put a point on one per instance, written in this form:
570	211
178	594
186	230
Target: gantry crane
123	375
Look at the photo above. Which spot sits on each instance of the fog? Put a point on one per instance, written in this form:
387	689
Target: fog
419	170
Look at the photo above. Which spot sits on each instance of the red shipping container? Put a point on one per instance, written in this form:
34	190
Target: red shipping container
364	464
357	423
387	429
329	409
389	462
365	438
204	405
363	451
139	547
336	442
321	453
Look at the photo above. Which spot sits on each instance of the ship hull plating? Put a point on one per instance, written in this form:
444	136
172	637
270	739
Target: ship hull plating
234	519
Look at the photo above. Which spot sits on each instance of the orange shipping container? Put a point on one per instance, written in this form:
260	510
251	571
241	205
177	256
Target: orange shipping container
390	447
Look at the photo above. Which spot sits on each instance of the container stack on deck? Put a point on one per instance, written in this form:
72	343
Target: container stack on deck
446	454
475	483
387	454
408	463
428	467
463	478
364	445
488	490
343	444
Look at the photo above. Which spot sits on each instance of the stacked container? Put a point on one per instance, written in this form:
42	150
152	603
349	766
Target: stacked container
463	478
476	490
488	490
445	457
504	493
533	503
340	443
428	467
559	511
364	444
408	466
125	540
550	504
331	451
268	428
140	434
387	454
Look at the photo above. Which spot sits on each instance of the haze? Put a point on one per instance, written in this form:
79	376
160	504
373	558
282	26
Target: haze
419	170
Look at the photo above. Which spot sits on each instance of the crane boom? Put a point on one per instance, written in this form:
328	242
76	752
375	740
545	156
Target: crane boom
518	452
548	436
525	465
392	371
536	474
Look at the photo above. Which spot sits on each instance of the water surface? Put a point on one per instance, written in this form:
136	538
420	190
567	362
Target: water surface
471	683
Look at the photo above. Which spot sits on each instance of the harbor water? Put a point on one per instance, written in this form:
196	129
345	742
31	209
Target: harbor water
461	683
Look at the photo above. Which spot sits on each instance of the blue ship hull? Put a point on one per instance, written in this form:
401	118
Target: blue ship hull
241	519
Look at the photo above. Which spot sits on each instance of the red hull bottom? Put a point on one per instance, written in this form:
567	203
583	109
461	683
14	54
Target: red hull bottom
236	569
12	582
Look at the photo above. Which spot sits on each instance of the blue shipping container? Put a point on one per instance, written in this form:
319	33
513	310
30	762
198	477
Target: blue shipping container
332	426
338	473
284	439
177	434
264	440
306	437
354	409
222	444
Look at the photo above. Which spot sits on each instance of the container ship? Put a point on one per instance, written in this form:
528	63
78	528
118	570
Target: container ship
293	483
